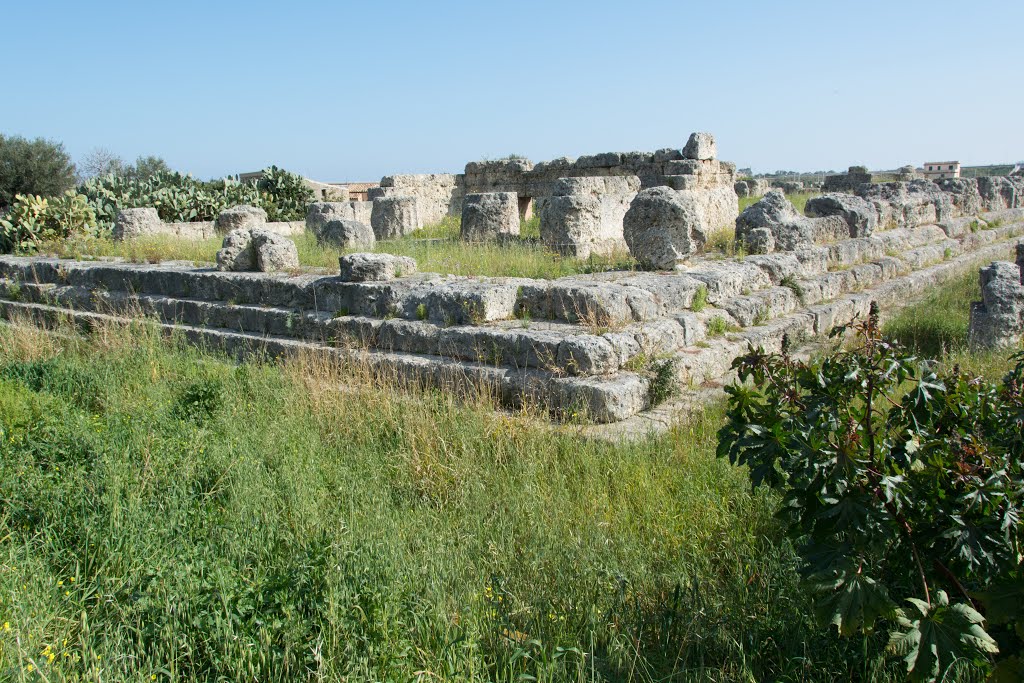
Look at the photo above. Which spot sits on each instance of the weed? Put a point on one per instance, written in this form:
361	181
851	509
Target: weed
700	299
791	282
718	325
663	382
421	312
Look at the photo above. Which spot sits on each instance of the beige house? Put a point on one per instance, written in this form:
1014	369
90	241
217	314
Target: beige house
933	170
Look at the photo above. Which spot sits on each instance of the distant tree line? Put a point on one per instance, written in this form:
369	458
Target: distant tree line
43	167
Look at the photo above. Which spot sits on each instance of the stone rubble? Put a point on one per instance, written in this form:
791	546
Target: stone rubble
256	249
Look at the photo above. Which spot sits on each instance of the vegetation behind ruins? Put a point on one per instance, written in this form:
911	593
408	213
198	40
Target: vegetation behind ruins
44	217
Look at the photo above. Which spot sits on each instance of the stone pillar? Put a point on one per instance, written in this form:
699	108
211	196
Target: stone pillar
394	216
997	321
585	215
486	215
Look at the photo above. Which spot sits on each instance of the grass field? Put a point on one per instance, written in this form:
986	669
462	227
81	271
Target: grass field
436	248
169	514
166	514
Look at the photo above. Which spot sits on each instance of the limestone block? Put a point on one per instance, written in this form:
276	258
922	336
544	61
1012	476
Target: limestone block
246	249
243	216
462	302
394	216
364	267
604	160
320	213
664	227
721	206
759	241
274	251
236	252
789	228
964	194
132	223
346	234
585	214
700	146
997	321
487	215
859	214
667	154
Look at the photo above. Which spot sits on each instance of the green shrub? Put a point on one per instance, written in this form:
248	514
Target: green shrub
284	195
33	220
902	491
700	299
180	198
36	167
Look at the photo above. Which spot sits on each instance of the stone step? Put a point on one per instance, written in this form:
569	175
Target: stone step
712	358
555	347
600	399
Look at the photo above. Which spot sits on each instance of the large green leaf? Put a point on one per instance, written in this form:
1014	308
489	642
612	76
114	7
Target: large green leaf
851	601
937	635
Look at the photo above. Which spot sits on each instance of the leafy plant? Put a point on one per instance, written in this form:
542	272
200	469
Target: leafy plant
700	299
33	220
182	198
901	489
37	167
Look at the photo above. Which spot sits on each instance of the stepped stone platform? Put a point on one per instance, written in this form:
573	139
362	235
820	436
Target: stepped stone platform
585	344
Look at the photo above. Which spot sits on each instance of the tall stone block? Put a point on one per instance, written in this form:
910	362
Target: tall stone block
487	215
394	216
584	216
997	321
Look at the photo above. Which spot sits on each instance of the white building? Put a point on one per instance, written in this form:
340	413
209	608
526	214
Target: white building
933	170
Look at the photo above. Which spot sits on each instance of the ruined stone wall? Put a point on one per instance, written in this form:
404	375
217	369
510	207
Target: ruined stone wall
847	182
664	167
437	194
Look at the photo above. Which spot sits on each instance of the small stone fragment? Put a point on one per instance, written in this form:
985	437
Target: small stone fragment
366	267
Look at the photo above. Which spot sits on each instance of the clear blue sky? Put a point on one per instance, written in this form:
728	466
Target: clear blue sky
352	91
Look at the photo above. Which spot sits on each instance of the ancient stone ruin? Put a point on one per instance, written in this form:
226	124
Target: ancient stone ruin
997	321
582	344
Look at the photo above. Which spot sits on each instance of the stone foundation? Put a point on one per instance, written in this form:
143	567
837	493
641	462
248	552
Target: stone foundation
578	345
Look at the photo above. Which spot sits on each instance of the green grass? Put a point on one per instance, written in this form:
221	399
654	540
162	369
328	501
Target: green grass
936	327
168	515
436	248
